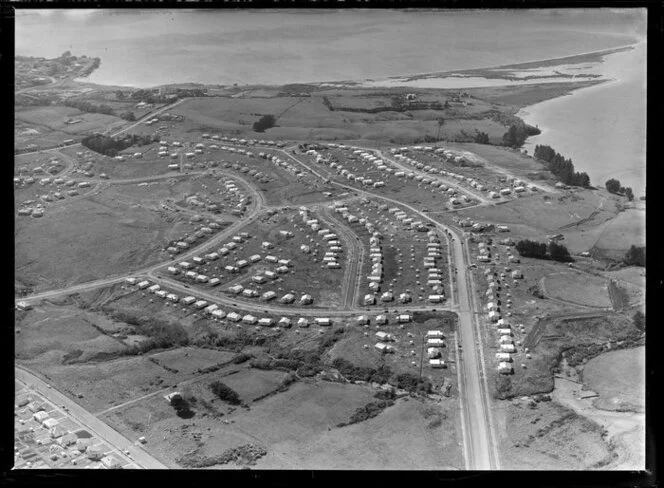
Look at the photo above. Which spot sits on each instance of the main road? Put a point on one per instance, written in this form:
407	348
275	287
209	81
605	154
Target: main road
90	421
481	451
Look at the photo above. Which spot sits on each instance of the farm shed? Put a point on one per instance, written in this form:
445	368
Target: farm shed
436	363
302	322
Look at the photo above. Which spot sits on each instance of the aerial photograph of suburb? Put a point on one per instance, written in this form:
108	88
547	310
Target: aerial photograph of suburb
330	239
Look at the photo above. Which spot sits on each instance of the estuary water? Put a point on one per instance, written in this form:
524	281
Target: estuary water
601	128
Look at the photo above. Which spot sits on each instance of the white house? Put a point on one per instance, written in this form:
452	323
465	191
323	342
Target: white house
323	321
302	322
403	318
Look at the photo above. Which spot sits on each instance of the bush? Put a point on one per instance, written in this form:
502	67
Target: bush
264	123
635	256
639	321
261	363
241	358
225	392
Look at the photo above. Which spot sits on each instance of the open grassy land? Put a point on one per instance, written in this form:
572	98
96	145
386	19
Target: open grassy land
91	238
64	334
619	378
579	288
537	216
543	435
306	436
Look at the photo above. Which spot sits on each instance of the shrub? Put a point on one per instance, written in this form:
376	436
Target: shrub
241	358
264	123
225	392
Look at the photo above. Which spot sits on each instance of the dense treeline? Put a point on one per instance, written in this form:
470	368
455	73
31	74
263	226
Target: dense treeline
517	134
110	146
614	186
562	168
383	374
85	106
539	250
635	256
225	392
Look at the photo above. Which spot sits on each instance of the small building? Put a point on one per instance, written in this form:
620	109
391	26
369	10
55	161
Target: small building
436	298
503	356
302	322
433	352
188	300
306	299
287	298
369	299
266	322
249	319
173	397
200	304
436	363
381	346
435	342
94	453
23	305
505	368
507	348
285	322
83	444
214	282
403	318
387	296
110	462
381	319
362	319
269	295
154	288
234	317
435	334
323	321
143	285
218	314
383	336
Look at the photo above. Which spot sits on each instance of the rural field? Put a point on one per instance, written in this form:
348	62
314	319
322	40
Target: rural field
537	435
537	216
90	238
577	288
619	378
306	436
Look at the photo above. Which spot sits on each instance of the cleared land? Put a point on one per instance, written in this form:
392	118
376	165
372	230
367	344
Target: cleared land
545	435
578	288
93	237
619	378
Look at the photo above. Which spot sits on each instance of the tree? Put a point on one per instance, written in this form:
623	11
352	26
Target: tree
481	137
441	123
182	408
225	392
128	115
558	252
635	256
629	194
613	185
531	249
264	123
119	94
639	321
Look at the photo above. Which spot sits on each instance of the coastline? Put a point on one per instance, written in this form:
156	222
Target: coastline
599	113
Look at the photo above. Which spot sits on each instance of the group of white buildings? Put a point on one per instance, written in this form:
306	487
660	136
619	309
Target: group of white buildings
201	232
334	247
214	312
36	207
435	274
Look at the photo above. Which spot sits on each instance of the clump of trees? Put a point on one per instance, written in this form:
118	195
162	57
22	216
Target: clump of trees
264	123
382	374
562	168
639	321
85	106
128	115
635	256
517	134
481	137
182	407
539	250
225	392
614	186
110	146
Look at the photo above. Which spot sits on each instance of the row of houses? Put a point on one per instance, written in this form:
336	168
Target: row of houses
334	247
505	336
202	231
213	311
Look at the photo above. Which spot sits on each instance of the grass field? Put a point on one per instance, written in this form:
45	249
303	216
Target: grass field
91	238
58	333
54	118
548	436
582	289
620	379
627	229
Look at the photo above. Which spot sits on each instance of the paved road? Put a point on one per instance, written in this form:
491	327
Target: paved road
87	419
477	416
